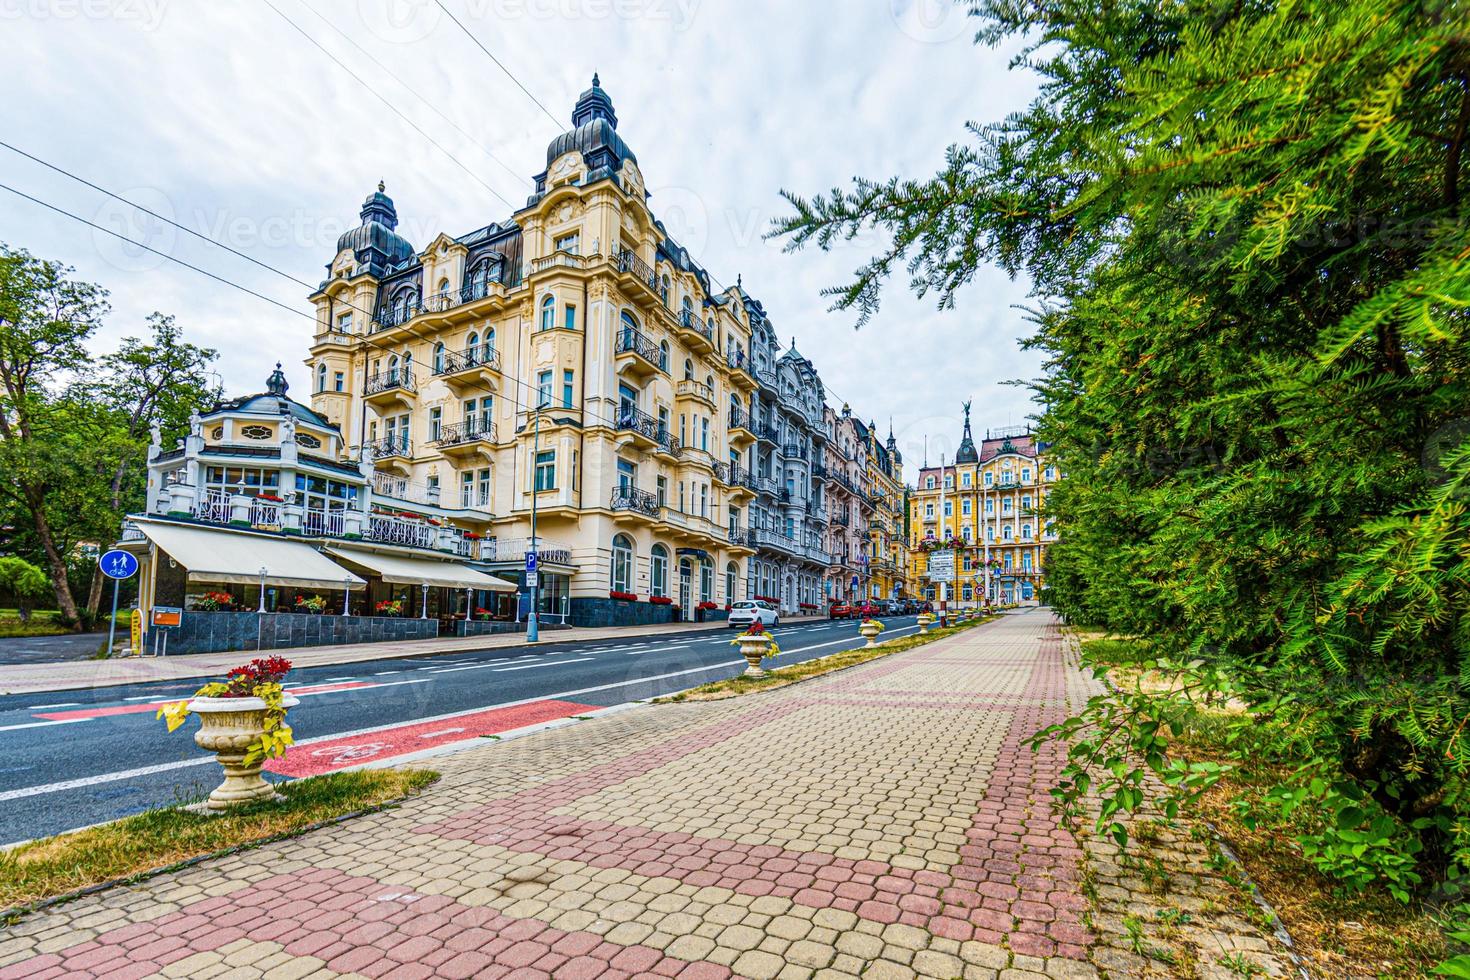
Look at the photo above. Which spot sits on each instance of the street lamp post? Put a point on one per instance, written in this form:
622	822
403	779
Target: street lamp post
943	586
263	572
533	632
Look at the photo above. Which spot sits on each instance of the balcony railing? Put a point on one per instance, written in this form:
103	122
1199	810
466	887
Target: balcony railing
323	523
819	469
740	537
739	418
636	420
765	376
395	445
629	262
689	321
470	430
792	450
480	355
214	507
696	389
767	432
736	361
476	289
638	501
390	380
396	530
768	538
632	341
559	259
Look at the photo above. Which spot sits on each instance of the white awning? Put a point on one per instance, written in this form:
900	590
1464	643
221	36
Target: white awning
218	555
409	570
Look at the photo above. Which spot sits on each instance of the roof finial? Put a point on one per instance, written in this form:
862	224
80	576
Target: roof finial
595	82
381	186
276	383
739	280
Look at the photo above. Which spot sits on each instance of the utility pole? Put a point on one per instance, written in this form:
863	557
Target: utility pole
985	539
943	586
533	633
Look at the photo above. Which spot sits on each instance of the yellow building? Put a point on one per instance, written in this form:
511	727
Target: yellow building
571	359
986	507
887	548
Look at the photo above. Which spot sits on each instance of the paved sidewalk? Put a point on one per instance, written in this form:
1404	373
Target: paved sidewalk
31	678
884	821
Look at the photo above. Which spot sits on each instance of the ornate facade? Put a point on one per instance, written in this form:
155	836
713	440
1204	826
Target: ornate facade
575	359
887	543
986	507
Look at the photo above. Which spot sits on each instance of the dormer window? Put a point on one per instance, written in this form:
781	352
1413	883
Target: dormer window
255	432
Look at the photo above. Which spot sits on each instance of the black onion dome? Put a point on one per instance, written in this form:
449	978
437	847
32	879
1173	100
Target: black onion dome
594	132
375	241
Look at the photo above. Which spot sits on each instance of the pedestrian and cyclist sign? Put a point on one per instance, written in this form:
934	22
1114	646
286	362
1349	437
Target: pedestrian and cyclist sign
118	564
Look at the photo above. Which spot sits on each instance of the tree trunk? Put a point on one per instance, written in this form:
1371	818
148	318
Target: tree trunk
55	560
94	591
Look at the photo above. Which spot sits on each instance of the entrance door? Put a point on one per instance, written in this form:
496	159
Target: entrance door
686	590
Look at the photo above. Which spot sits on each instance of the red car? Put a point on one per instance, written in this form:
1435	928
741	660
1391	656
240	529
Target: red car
841	610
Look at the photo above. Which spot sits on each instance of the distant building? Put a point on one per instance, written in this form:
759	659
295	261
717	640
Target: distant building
986	505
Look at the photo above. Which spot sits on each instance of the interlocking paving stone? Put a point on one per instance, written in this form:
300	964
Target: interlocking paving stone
883	821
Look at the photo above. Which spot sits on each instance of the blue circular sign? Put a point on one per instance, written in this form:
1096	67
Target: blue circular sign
118	564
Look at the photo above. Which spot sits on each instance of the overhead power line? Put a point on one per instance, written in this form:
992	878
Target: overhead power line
509	74
367	87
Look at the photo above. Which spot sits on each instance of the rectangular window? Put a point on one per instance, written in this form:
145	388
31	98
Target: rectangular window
482	499
570	319
546	470
543	389
965	480
929	483
627	475
965	507
1051	472
339	382
570	243
928	510
567	378
467	489
662	484
949	508
436	419
344	322
989	479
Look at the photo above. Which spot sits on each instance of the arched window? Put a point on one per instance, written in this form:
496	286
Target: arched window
658	567
408	364
714	337
688	369
663	355
687	314
622	564
730	583
548	313
472	347
709	382
439	358
489	341
321	377
444	287
630	324
663	289
393	368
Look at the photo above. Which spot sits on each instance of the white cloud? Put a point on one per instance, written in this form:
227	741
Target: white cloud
227	120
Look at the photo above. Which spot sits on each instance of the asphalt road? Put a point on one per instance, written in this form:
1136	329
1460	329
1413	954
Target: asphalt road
70	759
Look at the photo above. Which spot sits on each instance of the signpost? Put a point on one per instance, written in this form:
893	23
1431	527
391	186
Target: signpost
941	566
166	618
117	565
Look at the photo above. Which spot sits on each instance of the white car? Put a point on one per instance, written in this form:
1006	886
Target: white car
747	611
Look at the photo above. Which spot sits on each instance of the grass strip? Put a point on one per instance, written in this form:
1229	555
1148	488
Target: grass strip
1337	932
59	868
792	673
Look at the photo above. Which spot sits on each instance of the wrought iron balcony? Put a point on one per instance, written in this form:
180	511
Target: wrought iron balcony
391	380
387	317
635	500
394	445
634	342
688	320
645	426
740	537
396	530
630	263
792	450
767	432
468	431
480	355
819	469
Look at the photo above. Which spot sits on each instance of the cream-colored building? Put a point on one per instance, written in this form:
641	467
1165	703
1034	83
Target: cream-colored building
572	359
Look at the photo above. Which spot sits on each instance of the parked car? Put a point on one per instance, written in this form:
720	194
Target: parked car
743	612
840	610
868	610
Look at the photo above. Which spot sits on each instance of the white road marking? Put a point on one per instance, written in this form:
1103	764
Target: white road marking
549	663
444	731
111	777
63	704
39	724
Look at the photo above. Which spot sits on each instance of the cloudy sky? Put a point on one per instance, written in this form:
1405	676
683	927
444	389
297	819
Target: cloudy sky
225	118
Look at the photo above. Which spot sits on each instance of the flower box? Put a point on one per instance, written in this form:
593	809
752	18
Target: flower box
661	600
624	596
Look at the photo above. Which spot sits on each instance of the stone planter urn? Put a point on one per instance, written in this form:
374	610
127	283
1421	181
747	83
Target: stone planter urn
228	727
926	620
754	649
870	631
